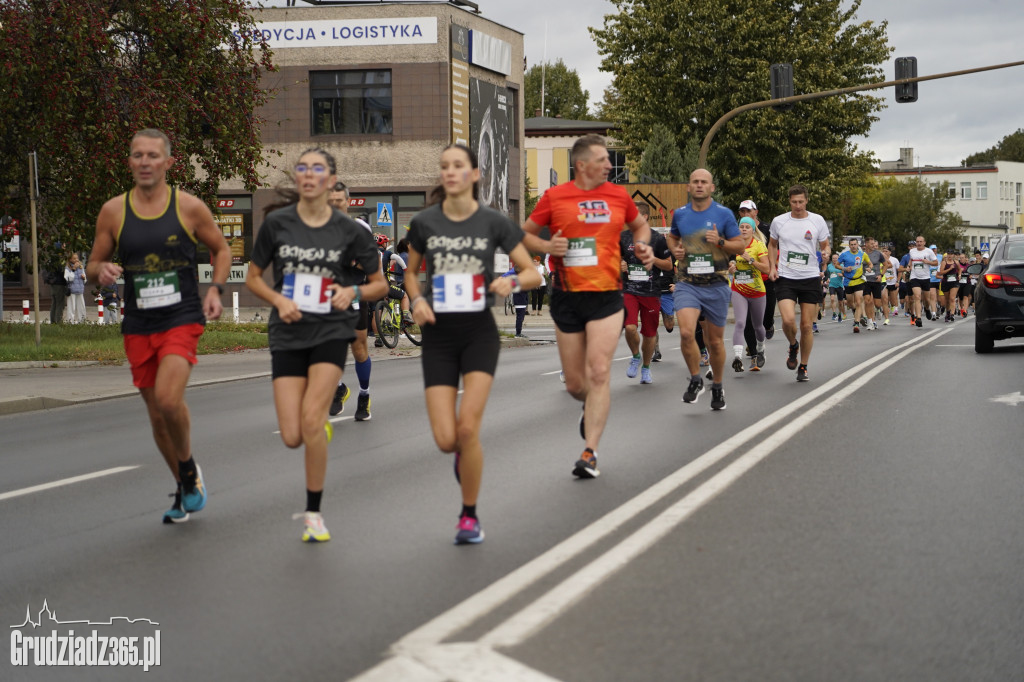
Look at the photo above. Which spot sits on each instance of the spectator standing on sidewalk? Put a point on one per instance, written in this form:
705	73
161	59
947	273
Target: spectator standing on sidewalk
74	275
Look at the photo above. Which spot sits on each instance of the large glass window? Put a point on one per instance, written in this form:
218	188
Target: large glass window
965	190
351	102
619	174
982	188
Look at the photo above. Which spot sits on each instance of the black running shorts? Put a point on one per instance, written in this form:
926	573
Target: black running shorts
571	310
296	363
459	343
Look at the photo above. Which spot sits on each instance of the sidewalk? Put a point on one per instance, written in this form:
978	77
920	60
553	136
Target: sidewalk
29	386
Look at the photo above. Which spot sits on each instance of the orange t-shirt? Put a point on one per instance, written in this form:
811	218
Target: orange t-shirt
591	220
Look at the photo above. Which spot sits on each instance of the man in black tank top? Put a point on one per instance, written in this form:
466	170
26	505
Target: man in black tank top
149	235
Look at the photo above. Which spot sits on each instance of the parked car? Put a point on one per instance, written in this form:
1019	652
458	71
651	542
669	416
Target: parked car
999	294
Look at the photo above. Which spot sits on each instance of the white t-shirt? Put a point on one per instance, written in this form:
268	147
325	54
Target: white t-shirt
891	275
799	240
918	268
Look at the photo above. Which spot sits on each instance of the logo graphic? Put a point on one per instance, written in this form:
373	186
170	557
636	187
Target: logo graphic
594	211
91	649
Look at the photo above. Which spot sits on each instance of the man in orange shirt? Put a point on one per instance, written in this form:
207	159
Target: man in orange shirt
585	217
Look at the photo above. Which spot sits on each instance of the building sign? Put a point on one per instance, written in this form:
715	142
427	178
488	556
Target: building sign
236	275
357	202
490	53
231	226
349	32
490	135
225	203
460	84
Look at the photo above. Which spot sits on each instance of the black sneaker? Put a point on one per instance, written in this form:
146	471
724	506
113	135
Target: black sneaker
927	313
801	373
717	398
694	390
341	394
710	375
919	322
657	356
791	360
363	408
737	364
769	332
586	466
378	343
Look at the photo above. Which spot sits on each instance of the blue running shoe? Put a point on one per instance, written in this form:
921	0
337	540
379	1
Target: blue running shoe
193	498
634	367
469	532
176	514
645	375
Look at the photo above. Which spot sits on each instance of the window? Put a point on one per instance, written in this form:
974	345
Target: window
965	190
351	102
1018	196
982	188
951	191
619	173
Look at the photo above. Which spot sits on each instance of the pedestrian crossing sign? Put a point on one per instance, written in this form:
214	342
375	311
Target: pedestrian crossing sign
385	216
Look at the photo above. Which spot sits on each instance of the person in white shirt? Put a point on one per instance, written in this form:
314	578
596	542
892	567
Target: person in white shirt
795	239
891	296
921	261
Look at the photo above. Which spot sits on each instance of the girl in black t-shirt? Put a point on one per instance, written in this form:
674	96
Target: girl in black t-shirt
458	237
310	245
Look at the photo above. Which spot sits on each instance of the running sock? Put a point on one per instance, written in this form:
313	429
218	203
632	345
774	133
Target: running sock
718	386
313	500
636	356
469	510
646	366
187	470
363	373
695	377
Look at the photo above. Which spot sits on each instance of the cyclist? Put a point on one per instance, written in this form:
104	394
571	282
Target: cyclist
457	237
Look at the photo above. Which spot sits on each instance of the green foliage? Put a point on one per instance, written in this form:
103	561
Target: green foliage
684	64
1010	148
563	94
662	161
897	211
81	76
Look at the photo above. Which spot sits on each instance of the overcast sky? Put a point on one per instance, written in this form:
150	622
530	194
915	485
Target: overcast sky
952	118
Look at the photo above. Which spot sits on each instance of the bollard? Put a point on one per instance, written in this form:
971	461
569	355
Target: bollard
99	310
24	311
234	304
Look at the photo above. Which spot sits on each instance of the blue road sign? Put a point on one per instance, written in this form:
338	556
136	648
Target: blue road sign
385	216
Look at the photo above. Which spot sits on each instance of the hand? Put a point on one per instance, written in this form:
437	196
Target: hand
109	272
422	313
622	266
342	297
501	286
645	253
288	310
711	236
732	267
679	252
773	273
212	307
559	245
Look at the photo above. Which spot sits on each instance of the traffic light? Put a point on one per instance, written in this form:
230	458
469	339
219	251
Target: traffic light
782	84
906	67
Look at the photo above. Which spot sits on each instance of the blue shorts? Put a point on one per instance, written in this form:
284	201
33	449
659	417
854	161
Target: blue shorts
712	300
668	304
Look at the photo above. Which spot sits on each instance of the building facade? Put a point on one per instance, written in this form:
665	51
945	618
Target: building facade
988	197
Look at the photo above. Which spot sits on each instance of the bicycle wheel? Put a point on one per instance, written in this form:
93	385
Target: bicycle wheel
413	332
386	328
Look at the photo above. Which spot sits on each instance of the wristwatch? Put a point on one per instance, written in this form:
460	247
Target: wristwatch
220	288
721	243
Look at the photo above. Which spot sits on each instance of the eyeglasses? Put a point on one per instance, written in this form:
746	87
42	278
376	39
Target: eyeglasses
316	169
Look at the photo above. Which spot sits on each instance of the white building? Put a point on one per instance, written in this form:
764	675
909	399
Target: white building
987	196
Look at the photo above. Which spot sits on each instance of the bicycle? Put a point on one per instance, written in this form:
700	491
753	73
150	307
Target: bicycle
387	314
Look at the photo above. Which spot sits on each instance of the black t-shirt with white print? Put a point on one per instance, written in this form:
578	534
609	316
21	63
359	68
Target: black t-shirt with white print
307	259
460	256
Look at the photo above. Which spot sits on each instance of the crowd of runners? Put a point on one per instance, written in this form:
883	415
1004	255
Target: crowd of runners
611	274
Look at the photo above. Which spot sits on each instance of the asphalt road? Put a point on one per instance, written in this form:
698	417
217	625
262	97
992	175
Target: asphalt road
864	525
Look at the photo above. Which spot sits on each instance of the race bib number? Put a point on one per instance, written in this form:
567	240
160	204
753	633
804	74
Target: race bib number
797	259
459	293
919	267
700	264
582	251
310	292
951	278
157	290
637	273
744	277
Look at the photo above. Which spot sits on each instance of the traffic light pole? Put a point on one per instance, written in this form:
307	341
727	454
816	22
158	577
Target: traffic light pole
706	145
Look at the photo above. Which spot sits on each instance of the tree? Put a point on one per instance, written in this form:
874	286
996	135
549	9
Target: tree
685	64
563	94
605	109
1010	148
81	76
662	161
897	211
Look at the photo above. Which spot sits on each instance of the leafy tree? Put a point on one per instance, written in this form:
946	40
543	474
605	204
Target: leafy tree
662	161
1010	148
896	211
684	64
605	109
563	94
79	77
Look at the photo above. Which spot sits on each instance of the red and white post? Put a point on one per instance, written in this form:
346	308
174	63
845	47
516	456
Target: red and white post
99	310
25	311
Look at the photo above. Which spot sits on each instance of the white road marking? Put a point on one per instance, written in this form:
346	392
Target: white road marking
65	481
1011	399
418	646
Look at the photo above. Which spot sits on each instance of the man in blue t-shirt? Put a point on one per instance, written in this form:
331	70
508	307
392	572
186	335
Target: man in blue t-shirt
703	238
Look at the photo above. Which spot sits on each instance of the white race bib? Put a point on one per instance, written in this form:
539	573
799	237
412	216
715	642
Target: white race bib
310	292
459	292
744	277
700	264
797	259
156	290
637	273
582	251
